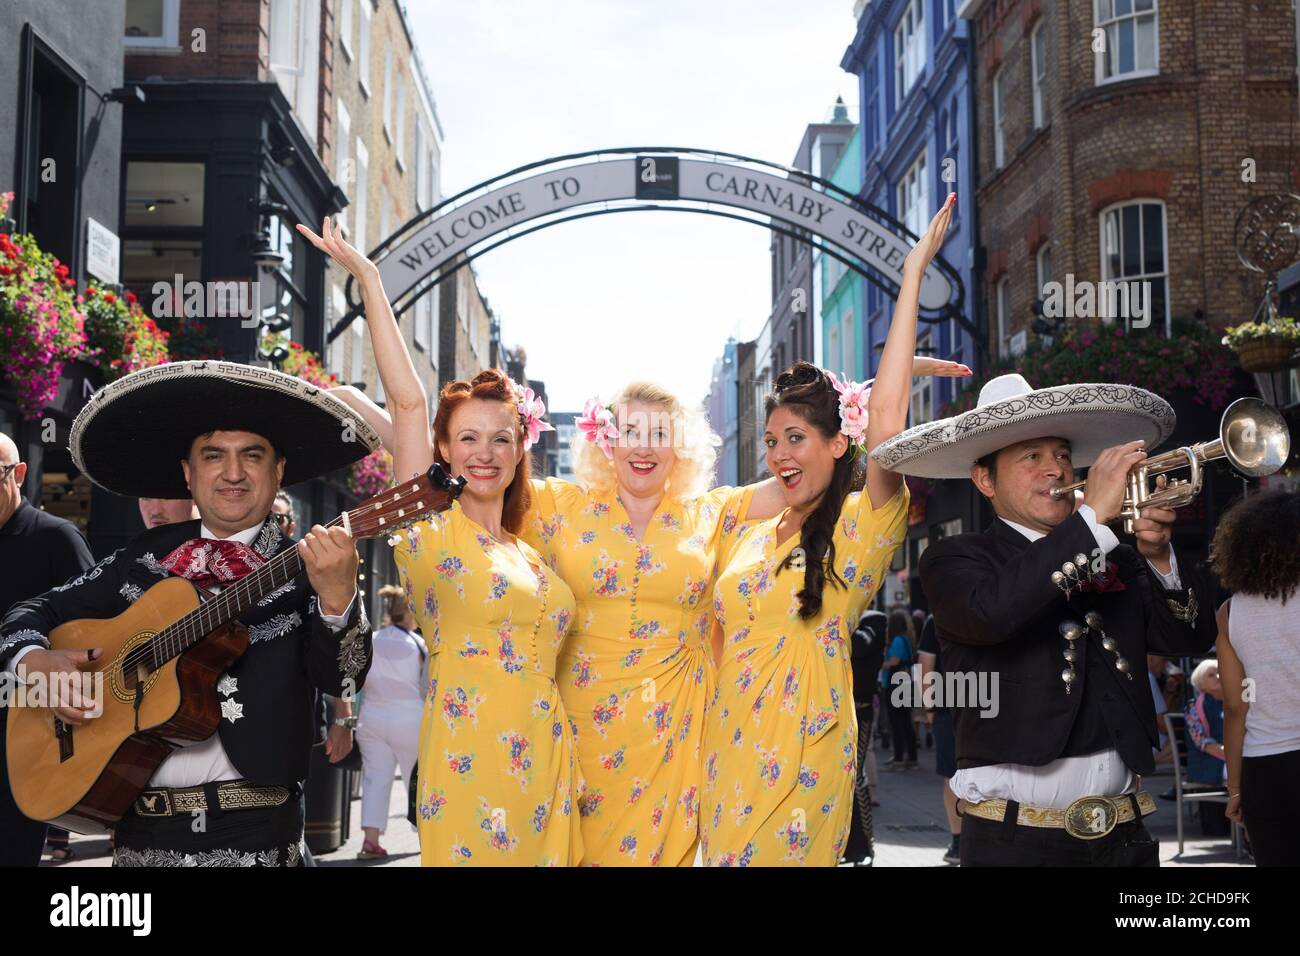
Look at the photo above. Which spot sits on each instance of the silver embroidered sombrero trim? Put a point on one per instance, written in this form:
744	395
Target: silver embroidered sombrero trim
251	375
928	438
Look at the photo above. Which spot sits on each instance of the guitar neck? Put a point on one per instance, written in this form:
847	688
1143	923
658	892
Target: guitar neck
231	603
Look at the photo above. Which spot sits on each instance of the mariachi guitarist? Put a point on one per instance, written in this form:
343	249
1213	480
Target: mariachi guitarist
228	436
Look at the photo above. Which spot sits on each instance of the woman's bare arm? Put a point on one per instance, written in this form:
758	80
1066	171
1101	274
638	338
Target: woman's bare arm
412	443
374	416
891	393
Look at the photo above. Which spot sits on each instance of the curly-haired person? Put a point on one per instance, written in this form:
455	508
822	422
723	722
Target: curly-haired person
1255	554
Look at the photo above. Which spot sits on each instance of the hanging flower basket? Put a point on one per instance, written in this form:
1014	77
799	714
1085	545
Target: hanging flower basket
1265	346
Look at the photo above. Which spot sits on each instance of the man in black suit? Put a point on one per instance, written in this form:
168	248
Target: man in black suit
1050	609
37	551
228	436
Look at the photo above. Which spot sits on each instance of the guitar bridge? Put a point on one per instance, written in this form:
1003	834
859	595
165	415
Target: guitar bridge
64	734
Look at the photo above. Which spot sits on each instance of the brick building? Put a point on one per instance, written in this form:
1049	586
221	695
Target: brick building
1127	164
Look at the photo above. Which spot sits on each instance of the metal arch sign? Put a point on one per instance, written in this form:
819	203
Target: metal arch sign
865	238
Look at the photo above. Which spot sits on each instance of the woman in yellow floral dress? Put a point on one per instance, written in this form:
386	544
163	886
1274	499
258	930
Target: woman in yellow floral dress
637	541
780	739
498	777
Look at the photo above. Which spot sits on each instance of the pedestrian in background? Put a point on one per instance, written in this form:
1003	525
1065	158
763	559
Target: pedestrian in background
1255	555
898	689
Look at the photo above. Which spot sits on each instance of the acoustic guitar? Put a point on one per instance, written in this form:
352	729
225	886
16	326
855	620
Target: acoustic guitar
161	661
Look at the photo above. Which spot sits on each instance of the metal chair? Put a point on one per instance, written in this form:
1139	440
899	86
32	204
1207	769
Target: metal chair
1175	724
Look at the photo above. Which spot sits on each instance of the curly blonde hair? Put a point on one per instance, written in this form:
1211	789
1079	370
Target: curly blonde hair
693	441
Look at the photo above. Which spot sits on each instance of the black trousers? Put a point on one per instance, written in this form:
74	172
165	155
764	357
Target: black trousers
21	838
860	843
994	843
901	729
263	836
1268	788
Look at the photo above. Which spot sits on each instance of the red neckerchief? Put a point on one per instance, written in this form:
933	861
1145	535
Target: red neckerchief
208	562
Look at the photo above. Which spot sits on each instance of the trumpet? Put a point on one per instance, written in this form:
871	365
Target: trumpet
1253	436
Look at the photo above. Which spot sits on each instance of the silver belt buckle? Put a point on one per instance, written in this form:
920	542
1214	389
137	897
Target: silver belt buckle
1091	818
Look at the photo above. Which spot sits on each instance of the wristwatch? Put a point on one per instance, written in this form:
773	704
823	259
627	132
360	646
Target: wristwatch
349	722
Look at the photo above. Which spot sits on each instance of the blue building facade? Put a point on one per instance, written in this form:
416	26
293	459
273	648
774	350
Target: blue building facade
913	62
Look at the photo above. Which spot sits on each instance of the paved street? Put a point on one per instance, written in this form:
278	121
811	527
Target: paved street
910	828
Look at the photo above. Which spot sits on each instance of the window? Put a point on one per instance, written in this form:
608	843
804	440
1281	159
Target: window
999	118
295	57
434	297
847	358
345	26
1133	250
342	157
1004	315
363	48
152	24
385	214
952	120
832	358
362	175
49	140
388	95
1038	57
284	291
334	351
162	228
358	348
922	405
1132	39
1044	267
400	120
420	329
914	197
909	50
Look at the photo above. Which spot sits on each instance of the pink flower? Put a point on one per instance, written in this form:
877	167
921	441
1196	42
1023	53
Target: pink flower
597	425
531	409
853	407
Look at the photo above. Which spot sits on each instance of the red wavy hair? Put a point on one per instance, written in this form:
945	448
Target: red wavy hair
491	384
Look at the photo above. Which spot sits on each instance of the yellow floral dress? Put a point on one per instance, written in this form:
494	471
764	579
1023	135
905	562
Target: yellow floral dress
781	738
636	674
498	775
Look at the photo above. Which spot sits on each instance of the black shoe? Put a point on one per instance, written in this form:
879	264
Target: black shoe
953	853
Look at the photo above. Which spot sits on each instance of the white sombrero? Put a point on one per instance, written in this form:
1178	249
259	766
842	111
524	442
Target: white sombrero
1089	416
131	435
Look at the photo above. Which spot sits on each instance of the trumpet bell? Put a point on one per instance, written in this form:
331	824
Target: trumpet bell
1254	437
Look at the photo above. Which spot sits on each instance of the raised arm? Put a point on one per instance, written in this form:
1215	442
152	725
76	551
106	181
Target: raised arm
412	442
892	391
374	416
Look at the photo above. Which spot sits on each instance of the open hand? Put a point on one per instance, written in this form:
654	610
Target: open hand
928	246
332	243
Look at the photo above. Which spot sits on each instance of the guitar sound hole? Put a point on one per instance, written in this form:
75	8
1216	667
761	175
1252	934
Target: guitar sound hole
134	674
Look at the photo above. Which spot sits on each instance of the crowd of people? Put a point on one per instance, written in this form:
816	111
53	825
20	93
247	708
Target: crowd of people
636	669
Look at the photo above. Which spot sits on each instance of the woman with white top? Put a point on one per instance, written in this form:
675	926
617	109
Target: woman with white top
1254	552
391	707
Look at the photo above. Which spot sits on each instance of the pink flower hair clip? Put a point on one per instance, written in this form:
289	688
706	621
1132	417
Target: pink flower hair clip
597	425
531	410
853	409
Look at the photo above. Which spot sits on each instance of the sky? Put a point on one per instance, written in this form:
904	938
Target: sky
653	295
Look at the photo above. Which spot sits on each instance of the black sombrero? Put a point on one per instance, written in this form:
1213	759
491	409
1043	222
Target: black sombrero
131	435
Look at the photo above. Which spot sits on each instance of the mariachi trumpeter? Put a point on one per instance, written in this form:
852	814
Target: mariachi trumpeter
228	436
1049	601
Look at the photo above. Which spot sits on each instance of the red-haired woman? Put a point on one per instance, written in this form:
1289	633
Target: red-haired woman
498	775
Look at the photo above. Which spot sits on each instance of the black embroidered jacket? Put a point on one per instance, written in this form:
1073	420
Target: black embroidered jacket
267	695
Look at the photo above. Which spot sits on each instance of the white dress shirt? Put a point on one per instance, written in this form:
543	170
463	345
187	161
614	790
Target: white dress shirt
1058	784
205	761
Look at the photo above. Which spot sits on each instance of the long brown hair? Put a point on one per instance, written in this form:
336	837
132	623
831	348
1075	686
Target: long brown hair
808	392
491	384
